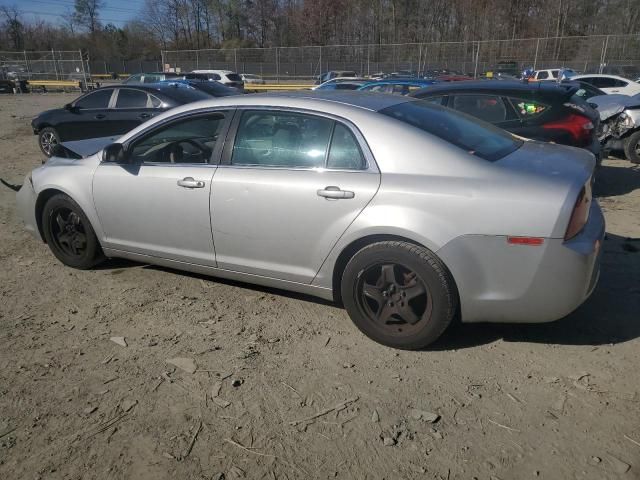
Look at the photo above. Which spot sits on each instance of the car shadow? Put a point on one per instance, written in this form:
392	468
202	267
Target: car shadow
614	181
611	315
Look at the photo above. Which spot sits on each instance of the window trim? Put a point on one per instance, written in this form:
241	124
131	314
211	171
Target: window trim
214	159
370	167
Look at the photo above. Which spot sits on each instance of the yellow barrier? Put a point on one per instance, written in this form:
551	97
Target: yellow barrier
54	83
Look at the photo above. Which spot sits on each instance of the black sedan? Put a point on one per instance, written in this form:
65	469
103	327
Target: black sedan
541	111
109	111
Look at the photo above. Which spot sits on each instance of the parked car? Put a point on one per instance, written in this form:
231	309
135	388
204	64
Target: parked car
398	87
6	86
620	124
547	75
330	75
585	90
625	71
453	78
151	77
251	79
406	211
610	83
226	77
342	83
210	87
109	111
539	110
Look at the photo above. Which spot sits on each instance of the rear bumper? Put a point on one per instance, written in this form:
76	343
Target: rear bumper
498	282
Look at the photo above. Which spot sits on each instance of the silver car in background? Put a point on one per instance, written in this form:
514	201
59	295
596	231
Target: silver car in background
406	212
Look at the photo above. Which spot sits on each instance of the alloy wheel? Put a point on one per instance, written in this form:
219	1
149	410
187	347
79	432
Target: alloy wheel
48	141
67	231
394	298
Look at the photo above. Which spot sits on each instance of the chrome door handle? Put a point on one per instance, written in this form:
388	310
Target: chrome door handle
189	182
144	115
100	116
335	193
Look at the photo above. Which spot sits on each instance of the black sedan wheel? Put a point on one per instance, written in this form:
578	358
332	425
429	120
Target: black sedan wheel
47	139
69	233
399	294
632	147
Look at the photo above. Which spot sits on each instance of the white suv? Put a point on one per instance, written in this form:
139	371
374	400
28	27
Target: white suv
226	77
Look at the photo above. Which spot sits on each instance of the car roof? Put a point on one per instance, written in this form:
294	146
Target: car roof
402	81
497	86
600	75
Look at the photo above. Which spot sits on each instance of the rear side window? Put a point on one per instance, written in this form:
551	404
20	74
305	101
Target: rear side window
281	139
476	137
234	77
527	108
97	99
131	99
542	75
554	73
489	108
437	100
185	94
344	152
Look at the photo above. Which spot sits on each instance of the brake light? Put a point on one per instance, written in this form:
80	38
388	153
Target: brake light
579	127
580	213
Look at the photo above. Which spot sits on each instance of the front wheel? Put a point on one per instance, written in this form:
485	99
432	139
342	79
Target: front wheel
399	294
69	234
48	138
632	147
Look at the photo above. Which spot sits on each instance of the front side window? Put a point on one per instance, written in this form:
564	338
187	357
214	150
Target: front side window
281	139
189	141
98	99
128	98
476	137
489	108
554	73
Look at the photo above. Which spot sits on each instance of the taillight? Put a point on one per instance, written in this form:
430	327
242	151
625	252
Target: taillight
579	127
580	214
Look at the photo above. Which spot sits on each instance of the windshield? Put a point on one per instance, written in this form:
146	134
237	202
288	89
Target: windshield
472	135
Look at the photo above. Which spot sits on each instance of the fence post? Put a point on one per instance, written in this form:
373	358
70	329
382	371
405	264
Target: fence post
535	60
419	57
162	59
368	60
26	64
320	69
197	60
277	67
235	59
475	69
603	56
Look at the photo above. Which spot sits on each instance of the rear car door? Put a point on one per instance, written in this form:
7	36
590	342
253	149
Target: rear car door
131	107
158	203
289	185
87	117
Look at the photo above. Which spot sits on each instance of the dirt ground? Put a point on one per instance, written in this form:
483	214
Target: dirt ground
554	401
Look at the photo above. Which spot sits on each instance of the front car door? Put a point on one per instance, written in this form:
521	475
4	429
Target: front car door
87	117
289	185
157	204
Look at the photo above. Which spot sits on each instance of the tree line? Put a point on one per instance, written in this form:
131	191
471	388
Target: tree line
195	24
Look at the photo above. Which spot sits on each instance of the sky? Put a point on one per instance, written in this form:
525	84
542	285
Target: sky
117	12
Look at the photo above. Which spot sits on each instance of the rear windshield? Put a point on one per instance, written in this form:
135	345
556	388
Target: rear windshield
234	77
472	135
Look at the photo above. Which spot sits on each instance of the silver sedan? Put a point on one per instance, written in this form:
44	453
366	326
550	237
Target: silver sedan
406	212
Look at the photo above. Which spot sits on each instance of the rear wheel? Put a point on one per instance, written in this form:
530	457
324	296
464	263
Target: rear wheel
48	138
632	147
69	234
399	294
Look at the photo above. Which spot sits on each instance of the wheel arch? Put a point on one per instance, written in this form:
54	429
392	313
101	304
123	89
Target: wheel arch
356	245
41	201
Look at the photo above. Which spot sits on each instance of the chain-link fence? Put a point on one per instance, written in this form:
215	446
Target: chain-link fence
44	65
592	54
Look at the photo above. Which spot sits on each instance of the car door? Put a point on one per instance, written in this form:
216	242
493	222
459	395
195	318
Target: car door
131	107
157	203
87	116
289	185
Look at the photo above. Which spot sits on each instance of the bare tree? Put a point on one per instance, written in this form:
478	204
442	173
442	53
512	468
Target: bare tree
87	14
14	26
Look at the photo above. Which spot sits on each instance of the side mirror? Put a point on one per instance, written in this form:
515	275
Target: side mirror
114	153
70	108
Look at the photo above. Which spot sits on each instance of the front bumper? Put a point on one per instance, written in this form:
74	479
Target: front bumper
26	201
498	282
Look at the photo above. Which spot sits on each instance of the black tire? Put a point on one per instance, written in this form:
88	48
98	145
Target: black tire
385	313
632	147
69	233
47	138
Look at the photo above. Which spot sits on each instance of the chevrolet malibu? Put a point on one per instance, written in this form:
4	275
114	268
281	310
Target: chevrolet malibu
406	212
